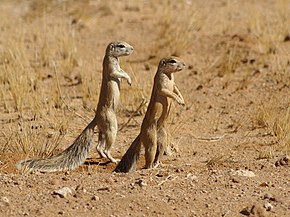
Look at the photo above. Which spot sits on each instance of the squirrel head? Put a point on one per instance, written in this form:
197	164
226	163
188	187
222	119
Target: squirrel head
119	48
171	65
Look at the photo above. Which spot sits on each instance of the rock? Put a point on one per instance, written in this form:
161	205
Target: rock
245	211
53	182
283	161
264	184
235	180
246	173
287	38
63	192
4	201
267	196
162	174
268	206
192	177
96	198
179	170
81	189
140	182
65	178
199	87
104	189
258	211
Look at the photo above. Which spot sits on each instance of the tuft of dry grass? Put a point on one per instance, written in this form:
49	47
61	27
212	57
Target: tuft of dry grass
276	120
28	58
36	56
34	139
175	34
218	160
270	25
228	61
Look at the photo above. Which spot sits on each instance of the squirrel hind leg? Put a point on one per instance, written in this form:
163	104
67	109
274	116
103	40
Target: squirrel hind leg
110	138
110	157
162	140
101	145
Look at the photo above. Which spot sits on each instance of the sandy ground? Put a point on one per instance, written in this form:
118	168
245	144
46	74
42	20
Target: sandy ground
224	162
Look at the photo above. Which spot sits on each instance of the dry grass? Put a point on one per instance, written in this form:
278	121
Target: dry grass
270	25
28	60
276	120
174	34
34	138
42	75
34	54
218	160
48	68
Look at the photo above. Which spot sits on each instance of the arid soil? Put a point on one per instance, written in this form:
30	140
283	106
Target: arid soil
229	144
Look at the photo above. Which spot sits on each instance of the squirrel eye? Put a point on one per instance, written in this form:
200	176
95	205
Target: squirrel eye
172	61
121	46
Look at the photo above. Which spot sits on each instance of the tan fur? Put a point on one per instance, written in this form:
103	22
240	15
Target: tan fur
105	119
153	133
109	97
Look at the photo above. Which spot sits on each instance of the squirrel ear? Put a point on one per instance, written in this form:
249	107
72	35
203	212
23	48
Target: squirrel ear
163	62
112	47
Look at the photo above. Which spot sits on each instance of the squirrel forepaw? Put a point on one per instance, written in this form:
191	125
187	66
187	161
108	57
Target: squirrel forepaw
180	102
129	81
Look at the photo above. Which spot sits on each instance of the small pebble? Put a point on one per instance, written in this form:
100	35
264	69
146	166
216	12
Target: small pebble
96	198
267	196
63	192
268	206
192	177
246	173
258	211
235	180
264	184
140	182
5	200
245	211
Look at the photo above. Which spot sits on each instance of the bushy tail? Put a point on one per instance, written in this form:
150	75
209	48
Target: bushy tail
69	159
130	158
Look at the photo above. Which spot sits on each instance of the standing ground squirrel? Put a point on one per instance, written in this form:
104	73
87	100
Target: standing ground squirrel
109	97
105	119
153	133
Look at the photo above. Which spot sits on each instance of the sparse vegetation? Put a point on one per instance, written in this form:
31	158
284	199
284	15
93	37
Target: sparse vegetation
42	67
174	34
236	89
277	121
36	56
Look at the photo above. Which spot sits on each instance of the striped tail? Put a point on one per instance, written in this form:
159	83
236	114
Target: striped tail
69	159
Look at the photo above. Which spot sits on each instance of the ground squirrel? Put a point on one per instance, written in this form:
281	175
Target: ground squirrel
109	97
153	133
105	119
